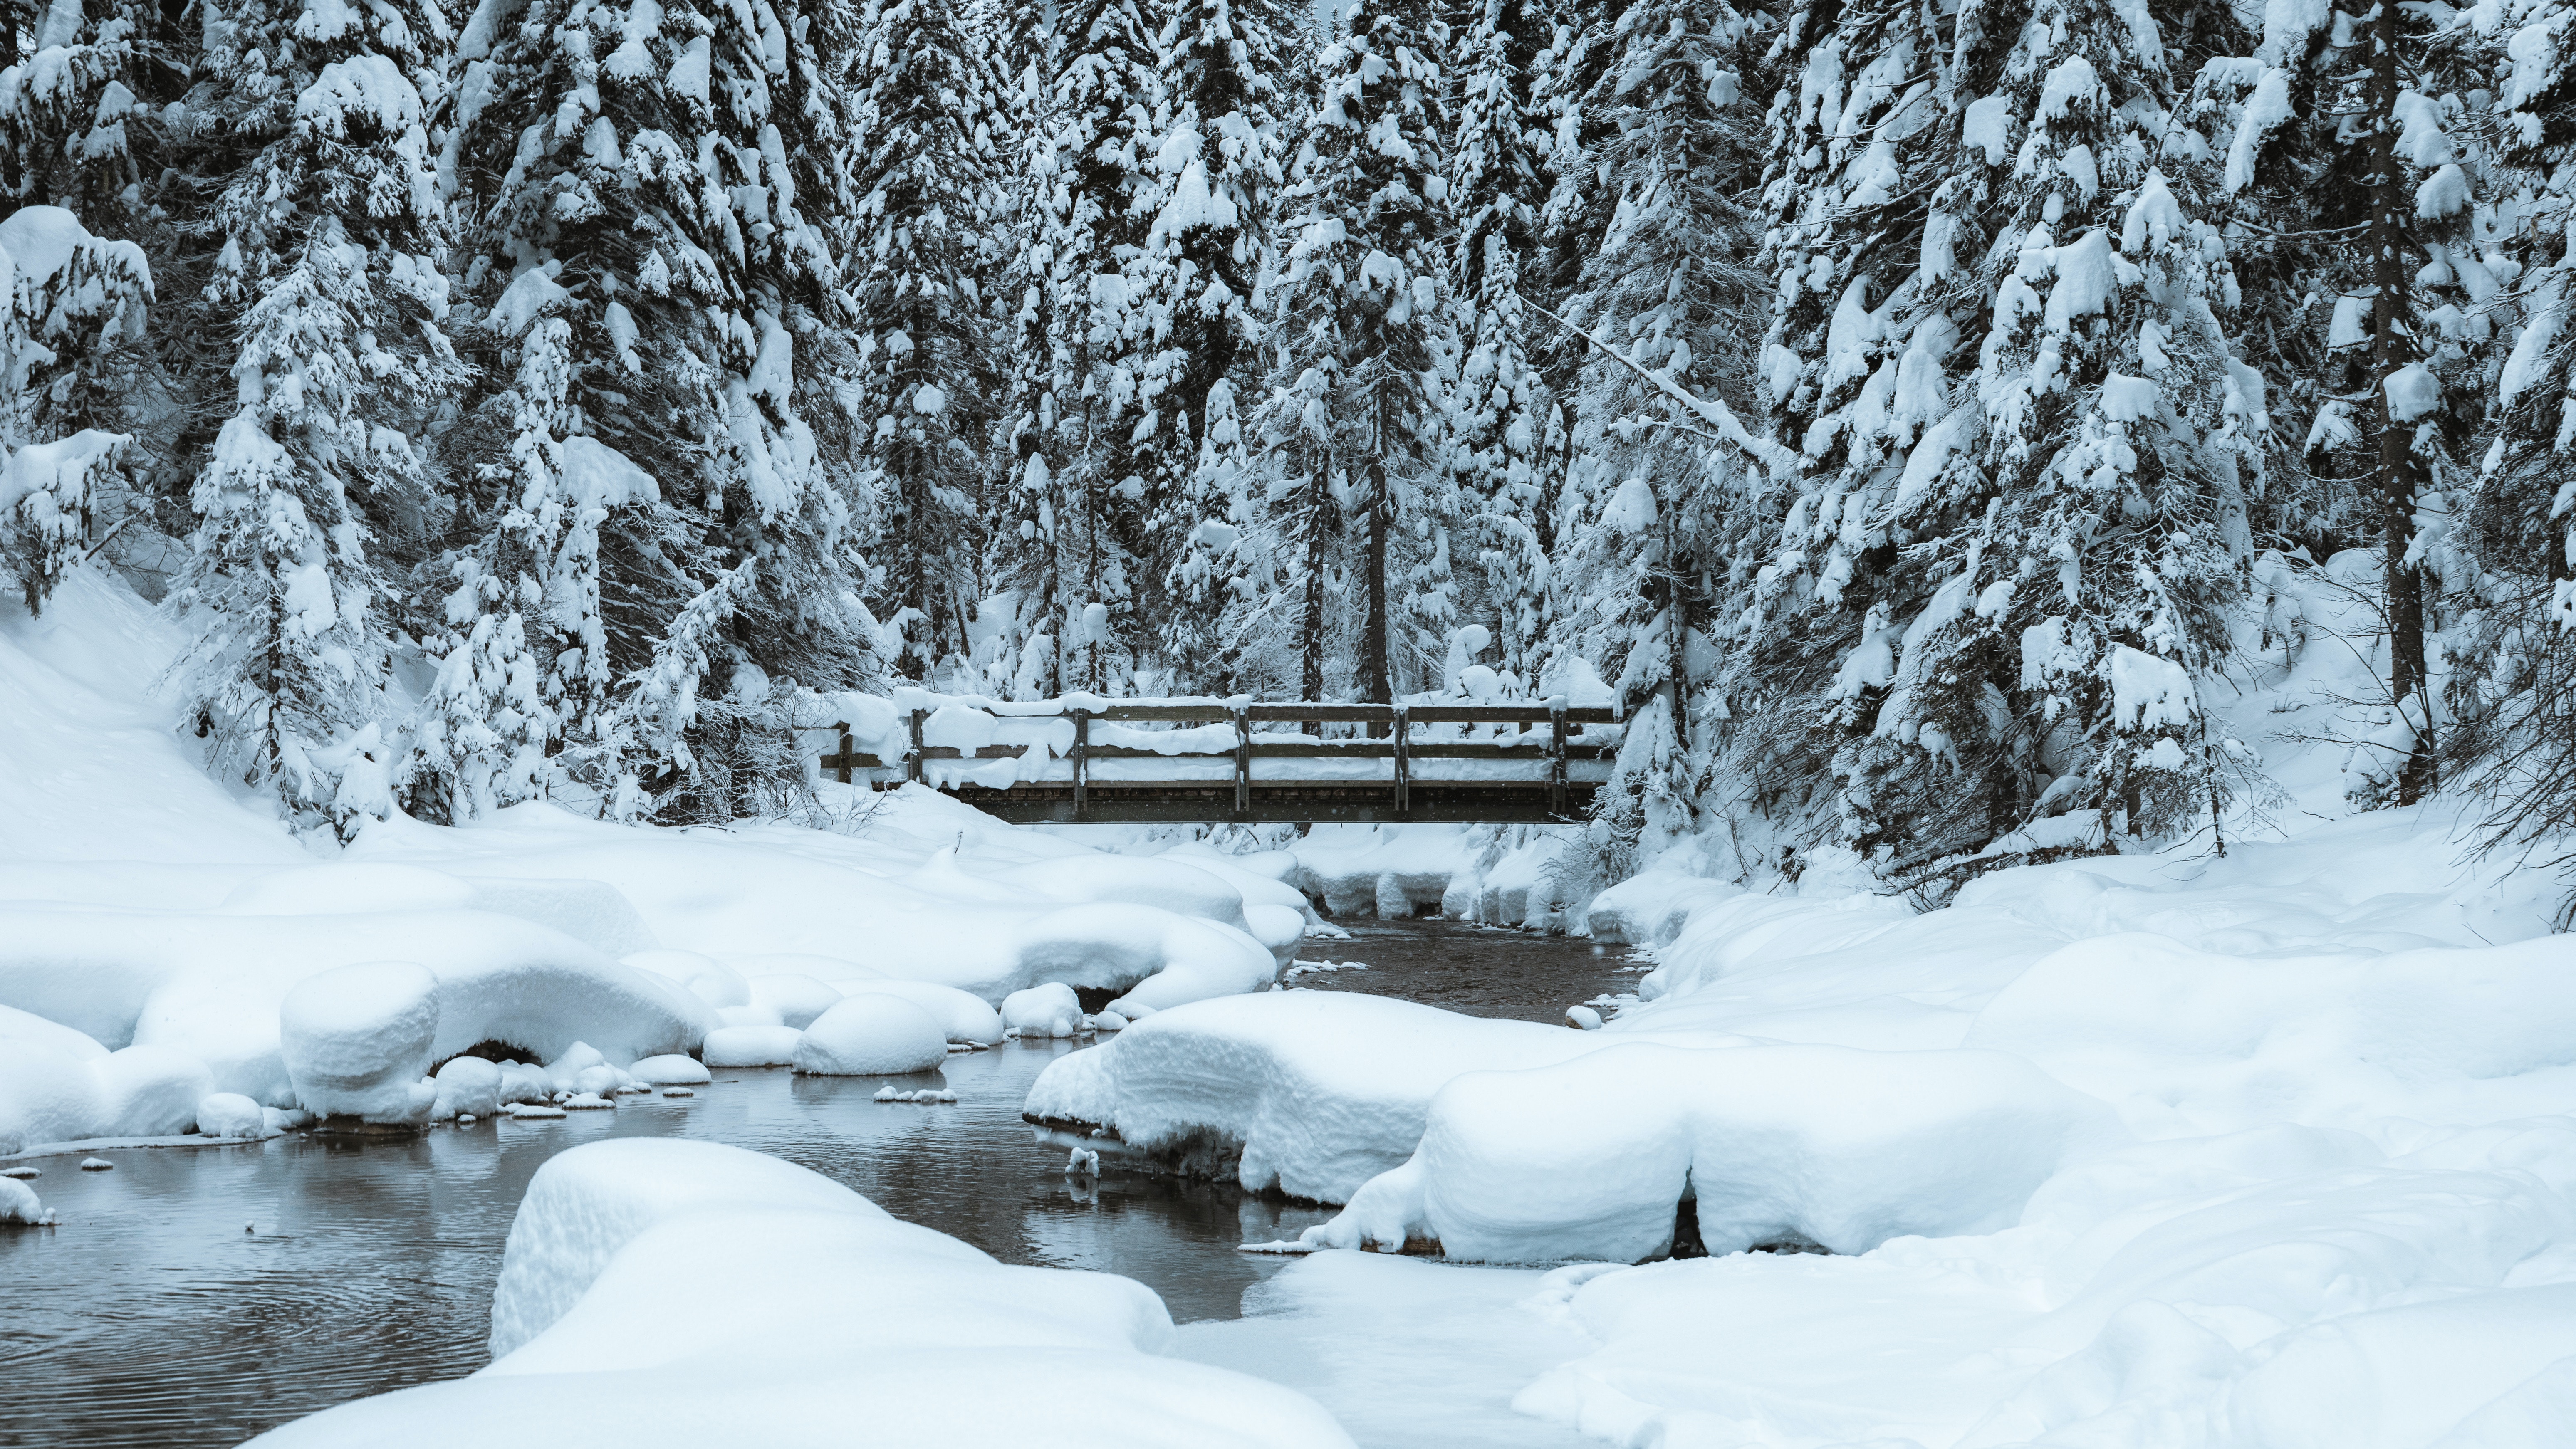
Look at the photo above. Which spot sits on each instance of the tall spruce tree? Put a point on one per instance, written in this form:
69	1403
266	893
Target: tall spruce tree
1366	355
932	132
661	463
328	278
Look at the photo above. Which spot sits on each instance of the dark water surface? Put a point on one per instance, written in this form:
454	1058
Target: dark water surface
151	1317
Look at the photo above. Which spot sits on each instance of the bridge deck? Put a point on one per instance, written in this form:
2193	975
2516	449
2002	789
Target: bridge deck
1535	774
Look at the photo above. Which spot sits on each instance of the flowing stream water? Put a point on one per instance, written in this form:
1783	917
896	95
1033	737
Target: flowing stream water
195	1296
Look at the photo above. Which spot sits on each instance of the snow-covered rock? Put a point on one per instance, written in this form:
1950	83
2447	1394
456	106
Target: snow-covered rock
19	1205
677	1071
793	998
467	1086
837	1315
230	1114
1651	909
964	1017
752	1046
1824	1145
871	1036
357	1041
1049	1010
1318	1091
1161	958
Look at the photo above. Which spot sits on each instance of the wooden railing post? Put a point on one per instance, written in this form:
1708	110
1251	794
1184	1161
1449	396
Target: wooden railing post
1242	761
849	749
1403	780
1556	758
1081	758
912	762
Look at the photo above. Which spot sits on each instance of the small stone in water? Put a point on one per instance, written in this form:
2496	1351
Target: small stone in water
97	1164
23	1172
885	1093
463	1118
677	1092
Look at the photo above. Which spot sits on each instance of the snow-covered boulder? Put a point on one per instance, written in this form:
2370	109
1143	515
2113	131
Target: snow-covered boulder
793	998
467	1086
1159	958
871	1036
1162	882
584	1205
357	1041
1049	1010
20	1206
669	1071
752	1046
963	1016
1826	1145
230	1114
836	1315
1318	1091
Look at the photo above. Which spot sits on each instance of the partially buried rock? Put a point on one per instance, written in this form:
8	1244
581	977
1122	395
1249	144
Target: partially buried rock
587	1102
677	1092
467	1087
1047	1009
231	1115
22	1172
97	1164
19	1205
357	1038
669	1071
871	1036
534	1111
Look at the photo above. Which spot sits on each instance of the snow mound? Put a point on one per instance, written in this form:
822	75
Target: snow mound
962	1016
669	1071
1161	959
752	1046
795	1000
1314	1092
357	1041
467	1086
1821	1145
585	1204
835	1314
1049	1010
212	985
1651	909
230	1114
20	1205
871	1036
52	1090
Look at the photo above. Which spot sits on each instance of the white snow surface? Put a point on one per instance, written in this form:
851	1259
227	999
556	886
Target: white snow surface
834	1316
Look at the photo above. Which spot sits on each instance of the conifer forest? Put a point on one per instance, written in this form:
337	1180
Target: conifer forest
1912	413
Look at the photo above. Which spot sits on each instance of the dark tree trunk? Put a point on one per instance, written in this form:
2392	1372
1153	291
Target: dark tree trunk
1310	629
2398	473
1375	687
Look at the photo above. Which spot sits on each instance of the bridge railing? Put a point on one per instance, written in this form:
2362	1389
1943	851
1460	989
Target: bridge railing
1367	778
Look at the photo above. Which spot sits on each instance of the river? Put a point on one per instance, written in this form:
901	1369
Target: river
195	1296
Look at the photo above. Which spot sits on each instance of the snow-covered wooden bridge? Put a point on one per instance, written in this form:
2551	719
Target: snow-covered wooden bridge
1246	763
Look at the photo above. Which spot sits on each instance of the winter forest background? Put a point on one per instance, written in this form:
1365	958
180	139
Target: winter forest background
1916	412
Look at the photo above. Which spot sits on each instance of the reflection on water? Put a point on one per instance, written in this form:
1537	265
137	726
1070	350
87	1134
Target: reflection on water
151	1317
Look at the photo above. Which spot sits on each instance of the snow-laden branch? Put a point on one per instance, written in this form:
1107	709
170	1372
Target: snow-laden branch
1709	410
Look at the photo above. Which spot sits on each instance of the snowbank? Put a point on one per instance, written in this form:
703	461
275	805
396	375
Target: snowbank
211	985
1818	1145
833	1314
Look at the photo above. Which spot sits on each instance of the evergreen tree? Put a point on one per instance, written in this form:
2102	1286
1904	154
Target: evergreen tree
930	117
2020	505
329	279
1506	443
662	444
1365	353
1077	552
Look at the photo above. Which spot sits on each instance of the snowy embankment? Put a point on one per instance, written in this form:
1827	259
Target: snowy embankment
837	1321
2275	1149
168	952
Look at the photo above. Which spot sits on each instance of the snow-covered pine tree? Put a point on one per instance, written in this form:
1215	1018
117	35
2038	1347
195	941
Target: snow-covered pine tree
2020	508
1365	347
328	277
662	445
931	134
1075	550
75	305
1653	508
2512	687
1227	79
1507	454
